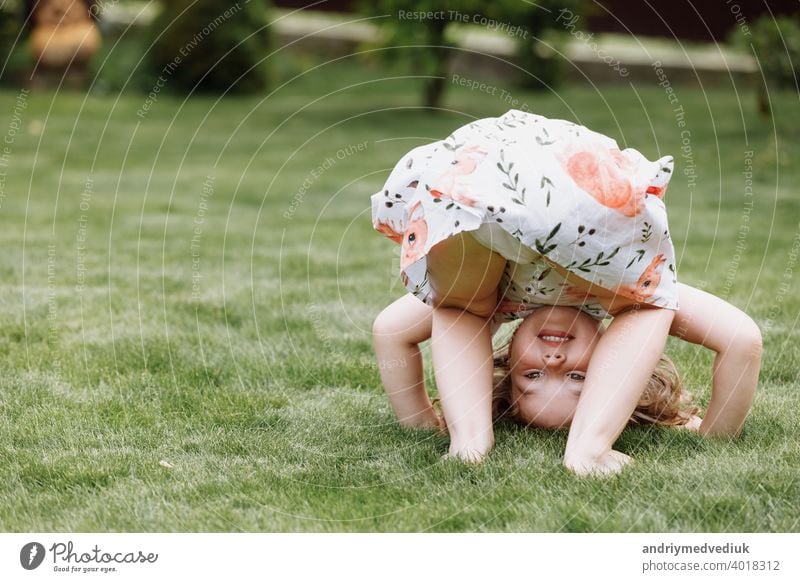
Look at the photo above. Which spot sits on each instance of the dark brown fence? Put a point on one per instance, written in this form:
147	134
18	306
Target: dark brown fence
702	20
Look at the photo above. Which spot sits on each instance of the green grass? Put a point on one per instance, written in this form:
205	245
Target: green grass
256	382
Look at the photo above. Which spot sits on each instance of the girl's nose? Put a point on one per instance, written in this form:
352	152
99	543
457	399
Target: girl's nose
553	358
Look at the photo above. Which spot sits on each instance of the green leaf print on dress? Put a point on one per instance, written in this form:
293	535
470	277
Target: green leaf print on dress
598	261
545	247
511	182
546	185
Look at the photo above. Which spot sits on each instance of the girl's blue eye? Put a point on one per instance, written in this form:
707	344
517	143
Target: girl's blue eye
534	374
577	376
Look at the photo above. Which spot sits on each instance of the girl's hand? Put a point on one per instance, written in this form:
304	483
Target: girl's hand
609	463
692	426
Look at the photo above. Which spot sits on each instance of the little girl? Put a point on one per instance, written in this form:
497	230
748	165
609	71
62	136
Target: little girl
508	215
531	397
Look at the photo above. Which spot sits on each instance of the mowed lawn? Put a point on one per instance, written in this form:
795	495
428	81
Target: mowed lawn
187	297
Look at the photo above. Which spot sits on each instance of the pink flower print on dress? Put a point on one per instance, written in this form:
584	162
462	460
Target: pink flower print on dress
647	283
658	185
414	237
448	184
606	174
574	293
389	230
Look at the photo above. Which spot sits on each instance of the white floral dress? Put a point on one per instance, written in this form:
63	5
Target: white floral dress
540	192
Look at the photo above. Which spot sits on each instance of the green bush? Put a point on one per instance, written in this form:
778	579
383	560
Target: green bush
208	46
116	67
777	46
775	42
14	55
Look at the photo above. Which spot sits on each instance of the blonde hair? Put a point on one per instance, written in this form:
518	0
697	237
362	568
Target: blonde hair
664	400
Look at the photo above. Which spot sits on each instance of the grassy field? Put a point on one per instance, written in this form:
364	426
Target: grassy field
186	286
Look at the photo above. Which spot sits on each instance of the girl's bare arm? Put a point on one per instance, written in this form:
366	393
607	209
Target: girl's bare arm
396	334
714	323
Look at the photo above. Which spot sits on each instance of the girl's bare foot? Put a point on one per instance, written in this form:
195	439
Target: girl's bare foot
603	465
469	453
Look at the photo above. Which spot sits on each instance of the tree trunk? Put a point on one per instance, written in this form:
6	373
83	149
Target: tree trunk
434	87
434	91
764	108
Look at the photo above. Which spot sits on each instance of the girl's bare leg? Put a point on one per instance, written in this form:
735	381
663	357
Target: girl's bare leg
464	276
462	359
396	334
623	360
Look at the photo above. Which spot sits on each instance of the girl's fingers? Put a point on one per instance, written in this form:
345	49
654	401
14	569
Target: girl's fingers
693	425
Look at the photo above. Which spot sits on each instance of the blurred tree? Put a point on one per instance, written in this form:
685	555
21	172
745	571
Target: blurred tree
545	24
211	46
776	44
416	32
12	49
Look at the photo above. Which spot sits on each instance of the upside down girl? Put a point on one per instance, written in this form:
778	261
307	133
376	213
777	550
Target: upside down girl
543	220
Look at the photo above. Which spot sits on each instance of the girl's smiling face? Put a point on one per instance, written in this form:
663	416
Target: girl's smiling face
548	359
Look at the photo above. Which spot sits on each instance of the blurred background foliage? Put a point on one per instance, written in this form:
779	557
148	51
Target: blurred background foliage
775	42
12	47
422	41
141	38
221	47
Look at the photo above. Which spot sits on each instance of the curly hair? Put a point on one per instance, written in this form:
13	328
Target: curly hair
663	401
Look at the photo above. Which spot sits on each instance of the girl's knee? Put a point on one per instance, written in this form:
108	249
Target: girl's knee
405	319
386	324
481	307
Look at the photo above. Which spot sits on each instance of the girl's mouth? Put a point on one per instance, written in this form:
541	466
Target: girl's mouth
554	337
